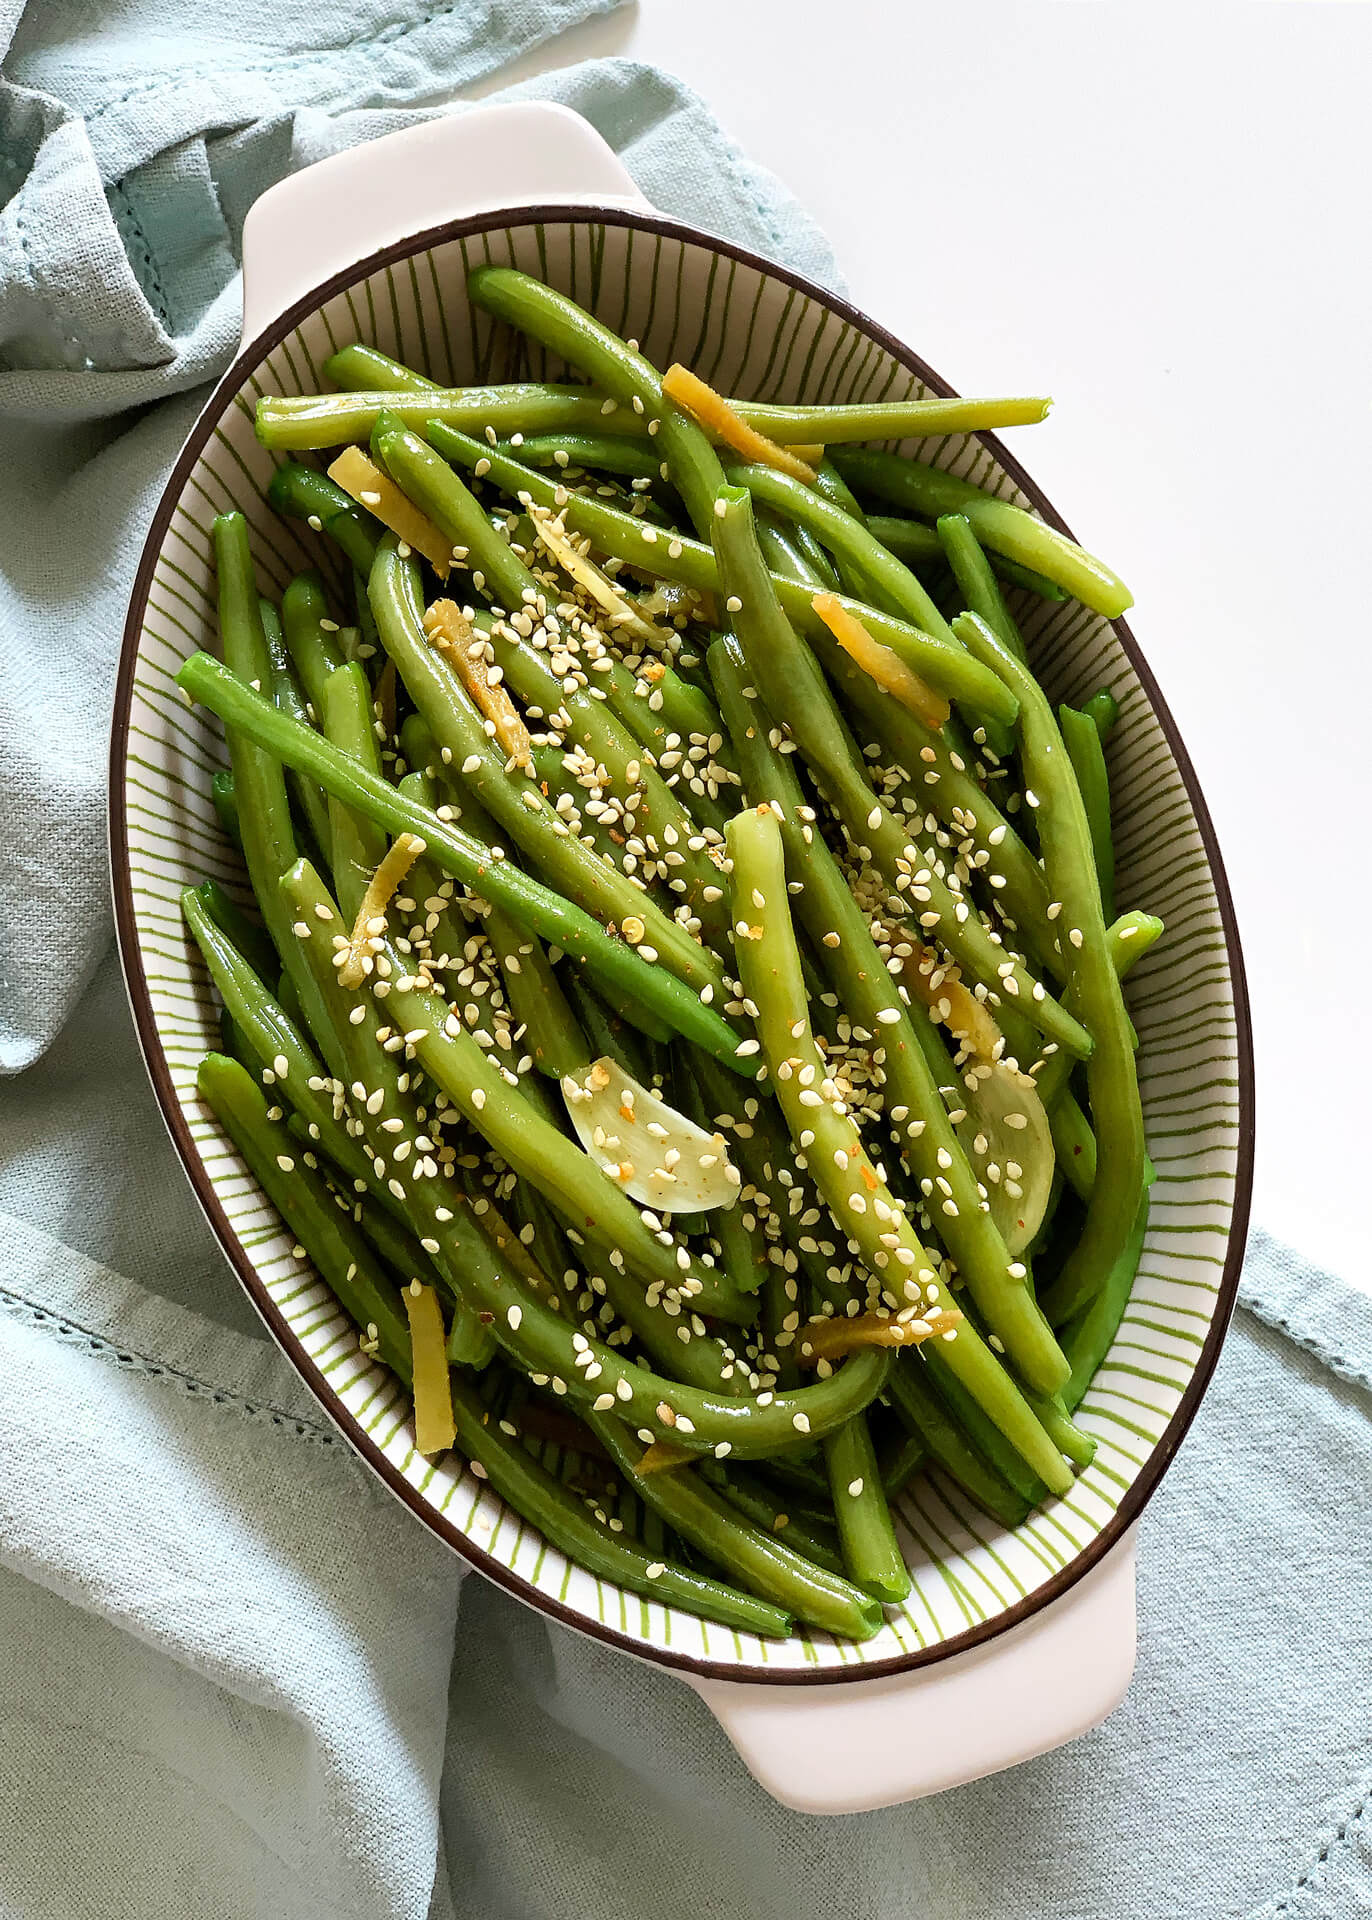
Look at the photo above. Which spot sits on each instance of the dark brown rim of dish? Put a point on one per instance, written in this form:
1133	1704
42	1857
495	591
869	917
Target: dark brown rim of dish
1161	1456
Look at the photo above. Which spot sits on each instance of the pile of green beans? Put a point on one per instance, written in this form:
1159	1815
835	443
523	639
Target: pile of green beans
659	818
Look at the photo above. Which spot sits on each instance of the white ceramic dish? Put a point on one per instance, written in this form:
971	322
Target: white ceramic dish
1010	1643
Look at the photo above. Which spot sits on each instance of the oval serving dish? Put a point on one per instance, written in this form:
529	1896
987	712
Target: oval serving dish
1009	1642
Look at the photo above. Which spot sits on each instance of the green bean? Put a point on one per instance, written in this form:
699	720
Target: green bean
1089	1336
289	698
900	1463
291	421
604	452
918	545
561	1516
533	905
520	809
359	844
782	553
870	1552
788	677
763	1561
989	1442
263	805
617	368
1058	1424
1074	1143
680	558
977	581
941	784
302	1198
841	935
247	936
310	636
274	1040
916	1403
1103	709
224	798
535	1149
769	967
302	494
1007	529
1110	1077
902	592
1081	737
771	1511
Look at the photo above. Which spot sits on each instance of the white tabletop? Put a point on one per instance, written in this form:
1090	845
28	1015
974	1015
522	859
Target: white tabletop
1160	217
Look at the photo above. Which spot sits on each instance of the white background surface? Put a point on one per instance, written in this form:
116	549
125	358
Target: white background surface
1160	216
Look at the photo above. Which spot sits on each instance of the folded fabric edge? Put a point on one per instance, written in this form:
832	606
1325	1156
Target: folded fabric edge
80	1302
1324	1314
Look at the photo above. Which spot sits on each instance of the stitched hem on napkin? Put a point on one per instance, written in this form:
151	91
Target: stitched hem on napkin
81	1303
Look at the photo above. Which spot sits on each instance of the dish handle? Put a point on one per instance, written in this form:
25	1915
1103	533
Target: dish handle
876	1743
321	220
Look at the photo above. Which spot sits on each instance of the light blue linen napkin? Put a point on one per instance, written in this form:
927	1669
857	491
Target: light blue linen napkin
237	1679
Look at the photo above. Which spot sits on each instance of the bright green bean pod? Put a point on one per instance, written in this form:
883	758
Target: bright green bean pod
919	546
359	844
1007	529
224	798
563	1518
871	1553
290	698
1112	1083
769	966
248	937
302	1198
1058	1424
811	1538
274	1040
1081	737
520	809
977	580
787	676
533	905
762	1561
300	493
840	934
602	452
916	1403
311	637
1103	710
691	563
1089	1337
901	590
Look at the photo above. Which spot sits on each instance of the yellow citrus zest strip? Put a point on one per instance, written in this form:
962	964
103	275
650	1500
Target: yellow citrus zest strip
953	1003
370	922
577	565
434	1431
882	663
662	1455
829	1339
455	638
713	412
363	480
